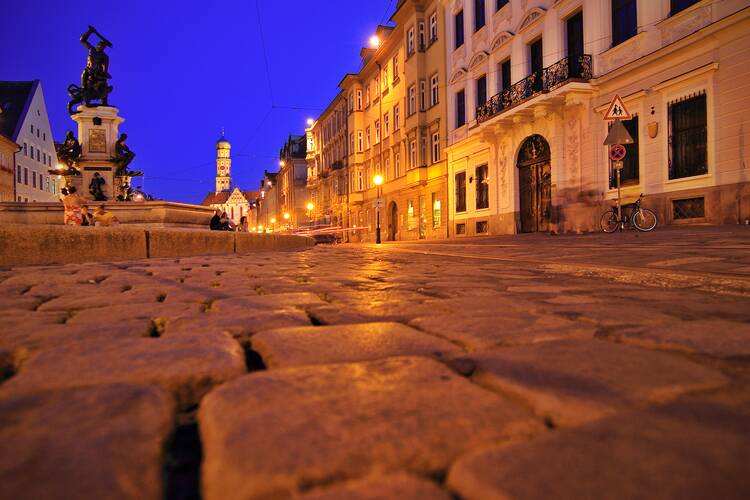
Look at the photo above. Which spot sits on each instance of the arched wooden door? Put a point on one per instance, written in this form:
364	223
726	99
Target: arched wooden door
534	184
392	221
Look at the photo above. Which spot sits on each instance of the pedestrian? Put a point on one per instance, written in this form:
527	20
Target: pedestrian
104	218
215	224
226	224
86	219
72	208
242	227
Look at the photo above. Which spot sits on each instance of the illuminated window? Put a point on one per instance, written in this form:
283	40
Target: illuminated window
437	211
412	154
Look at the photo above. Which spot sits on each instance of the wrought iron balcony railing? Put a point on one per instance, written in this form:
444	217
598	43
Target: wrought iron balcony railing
571	68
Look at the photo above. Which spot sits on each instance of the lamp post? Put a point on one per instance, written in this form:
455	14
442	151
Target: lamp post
378	181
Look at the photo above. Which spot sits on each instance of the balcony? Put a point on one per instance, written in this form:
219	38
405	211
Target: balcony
569	69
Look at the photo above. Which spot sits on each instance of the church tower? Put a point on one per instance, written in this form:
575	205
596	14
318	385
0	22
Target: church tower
223	164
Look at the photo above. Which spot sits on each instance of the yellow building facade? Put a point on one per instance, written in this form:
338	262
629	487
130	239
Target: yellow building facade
531	81
401	121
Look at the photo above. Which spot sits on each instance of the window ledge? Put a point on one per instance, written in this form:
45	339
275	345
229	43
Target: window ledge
688	179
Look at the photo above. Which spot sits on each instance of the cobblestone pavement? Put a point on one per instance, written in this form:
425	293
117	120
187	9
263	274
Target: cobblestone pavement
603	366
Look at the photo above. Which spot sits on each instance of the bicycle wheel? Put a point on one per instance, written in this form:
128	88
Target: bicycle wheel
644	220
609	222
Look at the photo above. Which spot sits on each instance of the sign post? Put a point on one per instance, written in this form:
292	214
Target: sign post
618	135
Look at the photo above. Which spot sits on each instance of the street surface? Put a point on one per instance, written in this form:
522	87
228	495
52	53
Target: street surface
532	366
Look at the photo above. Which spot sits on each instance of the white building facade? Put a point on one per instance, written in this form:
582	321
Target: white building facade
530	81
34	136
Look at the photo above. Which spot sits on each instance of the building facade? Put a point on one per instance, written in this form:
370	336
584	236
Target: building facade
531	80
327	166
24	121
232	200
8	151
397	128
292	182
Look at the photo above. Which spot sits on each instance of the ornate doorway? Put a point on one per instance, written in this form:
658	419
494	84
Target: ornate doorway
534	184
392	221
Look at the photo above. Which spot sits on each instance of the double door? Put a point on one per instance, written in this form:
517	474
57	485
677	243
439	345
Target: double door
535	185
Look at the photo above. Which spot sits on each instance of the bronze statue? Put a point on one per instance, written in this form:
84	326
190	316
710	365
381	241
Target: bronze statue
69	152
95	187
123	155
95	76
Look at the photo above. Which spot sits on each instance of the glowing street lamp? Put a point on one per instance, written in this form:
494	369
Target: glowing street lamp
287	216
310	121
310	207
282	163
378	181
374	41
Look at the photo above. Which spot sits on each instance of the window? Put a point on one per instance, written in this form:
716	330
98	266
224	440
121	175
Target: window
412	100
38	156
367	138
504	72
482	187
689	208
434	90
574	27
25	151
680	5
688	137
479	14
459	20
377	131
44	158
351	140
44	136
396	163
460	228
481	90
435	147
360	181
384	80
411	219
437	212
629	172
396	117
387	167
482	227
360	148
18	173
359	99
433	27
386	125
412	154
32	129
54	187
33	179
31	149
422	95
535	56
421	36
367	96
499	4
461	192
410	41
460	108
395	69
624	20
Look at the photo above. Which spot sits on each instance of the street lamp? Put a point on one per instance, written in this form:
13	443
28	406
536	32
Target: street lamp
374	41
310	121
378	181
310	207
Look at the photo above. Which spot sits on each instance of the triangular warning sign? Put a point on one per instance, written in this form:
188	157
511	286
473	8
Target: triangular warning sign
617	110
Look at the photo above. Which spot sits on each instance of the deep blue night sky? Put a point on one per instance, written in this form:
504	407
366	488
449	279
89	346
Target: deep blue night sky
183	69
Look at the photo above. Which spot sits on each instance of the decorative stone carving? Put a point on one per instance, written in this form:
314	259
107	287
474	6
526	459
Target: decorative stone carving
478	59
458	75
684	25
500	40
530	18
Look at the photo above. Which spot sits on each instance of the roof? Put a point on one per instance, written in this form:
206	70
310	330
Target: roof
15	99
251	196
216	198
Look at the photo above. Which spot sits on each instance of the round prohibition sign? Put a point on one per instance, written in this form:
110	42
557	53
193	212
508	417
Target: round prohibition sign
617	152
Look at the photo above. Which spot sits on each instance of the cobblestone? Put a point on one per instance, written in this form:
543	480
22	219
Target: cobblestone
526	367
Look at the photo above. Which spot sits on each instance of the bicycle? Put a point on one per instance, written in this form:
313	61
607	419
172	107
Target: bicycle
640	218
